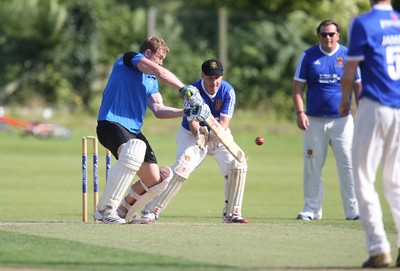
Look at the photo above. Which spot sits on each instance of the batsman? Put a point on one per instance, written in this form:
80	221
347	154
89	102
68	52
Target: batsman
195	141
132	88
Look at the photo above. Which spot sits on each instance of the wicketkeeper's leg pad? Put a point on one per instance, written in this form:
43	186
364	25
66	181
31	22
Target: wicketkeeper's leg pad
122	173
150	194
235	186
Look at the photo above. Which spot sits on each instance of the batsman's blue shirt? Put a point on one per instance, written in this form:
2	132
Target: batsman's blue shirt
221	104
322	72
376	34
125	95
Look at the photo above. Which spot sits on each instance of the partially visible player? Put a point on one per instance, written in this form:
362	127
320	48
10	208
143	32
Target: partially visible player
374	45
320	68
131	88
195	142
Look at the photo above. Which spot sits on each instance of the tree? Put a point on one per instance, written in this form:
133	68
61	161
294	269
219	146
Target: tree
30	30
77	56
63	50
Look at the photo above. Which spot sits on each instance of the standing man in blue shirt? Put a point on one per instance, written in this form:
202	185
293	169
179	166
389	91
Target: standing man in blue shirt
374	46
131	88
321	68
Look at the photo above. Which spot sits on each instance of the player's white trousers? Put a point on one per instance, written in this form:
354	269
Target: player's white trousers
324	132
376	138
187	149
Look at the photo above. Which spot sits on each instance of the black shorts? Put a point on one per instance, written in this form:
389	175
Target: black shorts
112	135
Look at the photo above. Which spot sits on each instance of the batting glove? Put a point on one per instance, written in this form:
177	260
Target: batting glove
201	113
191	95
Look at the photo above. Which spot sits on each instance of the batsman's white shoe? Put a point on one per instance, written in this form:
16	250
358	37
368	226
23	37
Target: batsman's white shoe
137	219
150	217
235	219
378	261
108	216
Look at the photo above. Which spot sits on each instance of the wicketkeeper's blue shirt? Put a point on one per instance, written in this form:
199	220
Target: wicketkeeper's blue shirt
221	104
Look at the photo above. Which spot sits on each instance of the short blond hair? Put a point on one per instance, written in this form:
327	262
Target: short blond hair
154	44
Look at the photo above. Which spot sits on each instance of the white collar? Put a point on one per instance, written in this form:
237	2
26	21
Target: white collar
382	7
209	95
331	53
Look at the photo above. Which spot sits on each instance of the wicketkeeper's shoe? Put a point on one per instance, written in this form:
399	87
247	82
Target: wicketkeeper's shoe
398	259
108	216
235	219
378	261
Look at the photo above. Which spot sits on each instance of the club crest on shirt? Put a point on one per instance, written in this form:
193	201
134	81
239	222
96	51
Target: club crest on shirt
340	63
218	104
310	153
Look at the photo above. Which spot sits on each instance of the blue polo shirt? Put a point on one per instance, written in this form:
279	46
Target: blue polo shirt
125	95
374	39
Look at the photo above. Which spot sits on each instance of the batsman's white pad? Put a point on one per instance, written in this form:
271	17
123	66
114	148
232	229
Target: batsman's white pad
122	173
158	204
149	195
235	186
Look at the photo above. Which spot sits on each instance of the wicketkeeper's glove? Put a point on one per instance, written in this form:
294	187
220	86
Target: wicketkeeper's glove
202	138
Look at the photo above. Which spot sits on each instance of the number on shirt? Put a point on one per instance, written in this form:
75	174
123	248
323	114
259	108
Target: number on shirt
393	61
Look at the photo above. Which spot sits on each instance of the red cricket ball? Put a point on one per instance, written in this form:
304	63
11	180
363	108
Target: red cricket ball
259	140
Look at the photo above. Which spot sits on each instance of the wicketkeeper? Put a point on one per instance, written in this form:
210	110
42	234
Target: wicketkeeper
195	141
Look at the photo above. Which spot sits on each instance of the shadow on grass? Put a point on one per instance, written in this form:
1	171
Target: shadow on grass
28	251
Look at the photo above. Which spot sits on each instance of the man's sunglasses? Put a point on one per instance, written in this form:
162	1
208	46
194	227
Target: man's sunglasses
325	34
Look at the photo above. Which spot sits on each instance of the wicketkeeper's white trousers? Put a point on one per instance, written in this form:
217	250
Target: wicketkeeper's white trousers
188	149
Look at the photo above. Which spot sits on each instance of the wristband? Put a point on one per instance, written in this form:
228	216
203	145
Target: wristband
299	112
183	90
187	111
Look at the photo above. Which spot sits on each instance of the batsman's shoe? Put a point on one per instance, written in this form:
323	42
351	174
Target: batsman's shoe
108	216
398	259
137	219
235	219
378	261
150	217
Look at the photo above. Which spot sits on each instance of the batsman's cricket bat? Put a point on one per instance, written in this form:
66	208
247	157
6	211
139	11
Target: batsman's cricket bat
227	141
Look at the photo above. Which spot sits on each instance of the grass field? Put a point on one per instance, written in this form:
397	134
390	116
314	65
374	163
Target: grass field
40	207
